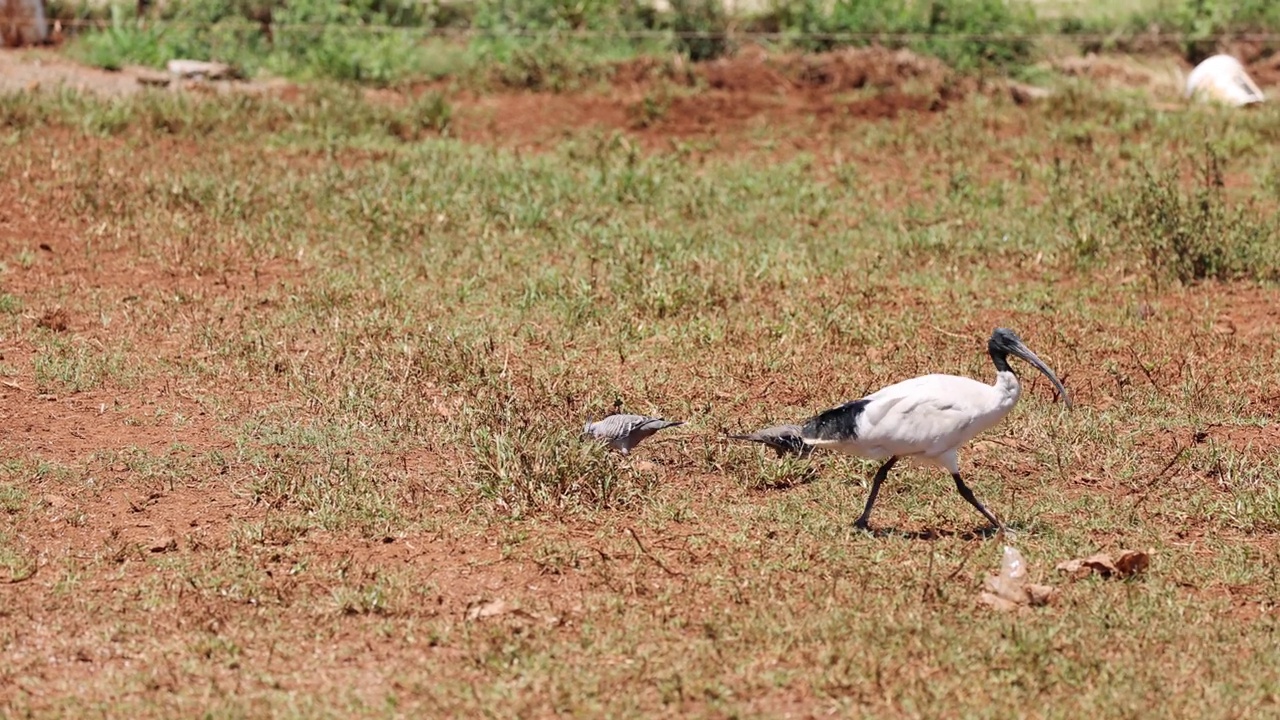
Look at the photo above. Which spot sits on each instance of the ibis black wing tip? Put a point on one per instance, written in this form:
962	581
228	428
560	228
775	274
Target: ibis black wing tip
836	424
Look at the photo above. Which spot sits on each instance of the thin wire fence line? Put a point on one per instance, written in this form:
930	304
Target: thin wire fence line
466	33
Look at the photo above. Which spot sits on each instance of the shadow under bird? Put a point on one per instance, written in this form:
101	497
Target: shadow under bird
927	418
624	432
784	439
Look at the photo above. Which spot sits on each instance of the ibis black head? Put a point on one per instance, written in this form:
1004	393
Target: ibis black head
1005	342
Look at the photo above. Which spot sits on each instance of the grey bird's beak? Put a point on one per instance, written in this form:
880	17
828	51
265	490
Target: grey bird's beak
1025	353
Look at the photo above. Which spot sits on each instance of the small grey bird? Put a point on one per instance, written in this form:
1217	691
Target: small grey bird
784	439
624	432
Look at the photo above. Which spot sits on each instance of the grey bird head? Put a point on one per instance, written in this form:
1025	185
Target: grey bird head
624	432
784	439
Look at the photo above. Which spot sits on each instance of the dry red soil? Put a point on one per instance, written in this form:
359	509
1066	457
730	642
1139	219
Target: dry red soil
658	106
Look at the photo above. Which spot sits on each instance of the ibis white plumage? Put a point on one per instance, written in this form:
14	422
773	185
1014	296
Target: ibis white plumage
927	418
1223	79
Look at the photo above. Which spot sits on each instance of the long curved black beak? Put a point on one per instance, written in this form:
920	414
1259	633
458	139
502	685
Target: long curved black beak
1025	353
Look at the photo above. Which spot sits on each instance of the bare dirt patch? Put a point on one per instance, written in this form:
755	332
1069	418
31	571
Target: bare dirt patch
74	427
720	100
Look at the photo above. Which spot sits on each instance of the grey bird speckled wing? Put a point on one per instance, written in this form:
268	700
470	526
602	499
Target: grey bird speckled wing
784	439
624	432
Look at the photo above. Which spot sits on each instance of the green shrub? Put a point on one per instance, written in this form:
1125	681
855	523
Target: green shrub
1193	27
966	34
1196	235
701	28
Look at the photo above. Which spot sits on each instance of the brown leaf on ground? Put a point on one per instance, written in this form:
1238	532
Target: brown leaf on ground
1127	564
995	602
490	609
496	608
54	501
163	544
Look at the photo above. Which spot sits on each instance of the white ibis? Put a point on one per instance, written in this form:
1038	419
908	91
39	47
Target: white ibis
927	418
784	439
1223	78
624	432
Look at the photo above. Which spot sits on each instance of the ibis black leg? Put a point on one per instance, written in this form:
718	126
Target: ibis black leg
967	494
881	474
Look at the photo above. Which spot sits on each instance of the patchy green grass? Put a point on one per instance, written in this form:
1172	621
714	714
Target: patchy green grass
317	410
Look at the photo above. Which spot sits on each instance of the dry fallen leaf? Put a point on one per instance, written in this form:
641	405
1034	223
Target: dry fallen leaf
995	602
489	609
1132	562
494	608
54	501
1009	590
1129	563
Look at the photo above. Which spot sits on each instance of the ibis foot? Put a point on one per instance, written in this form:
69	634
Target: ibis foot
881	474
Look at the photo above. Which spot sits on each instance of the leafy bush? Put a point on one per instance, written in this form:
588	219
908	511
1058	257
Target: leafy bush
523	39
1201	21
528	43
1193	27
701	28
314	38
542	64
1197	235
937	22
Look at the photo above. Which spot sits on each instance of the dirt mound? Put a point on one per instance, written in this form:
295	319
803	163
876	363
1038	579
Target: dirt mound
855	68
1159	75
1266	71
1099	68
889	104
848	69
645	69
701	113
750	70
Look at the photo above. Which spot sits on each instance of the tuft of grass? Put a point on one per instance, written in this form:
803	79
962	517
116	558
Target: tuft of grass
13	499
75	366
16	561
524	472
